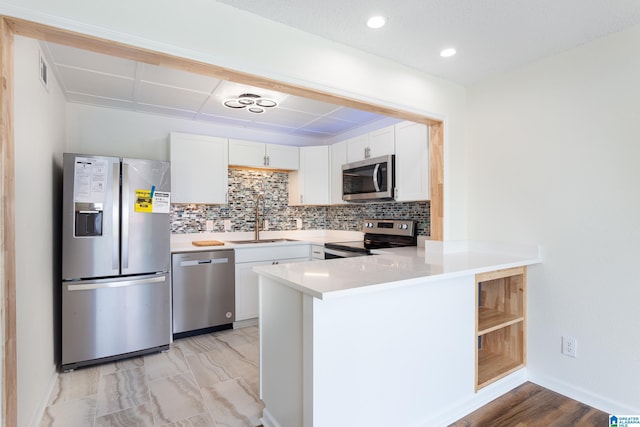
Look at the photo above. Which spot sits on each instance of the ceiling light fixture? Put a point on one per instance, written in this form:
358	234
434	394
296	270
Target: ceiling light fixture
446	53
252	102
376	22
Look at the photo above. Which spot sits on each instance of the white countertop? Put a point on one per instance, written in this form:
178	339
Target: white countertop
397	267
182	242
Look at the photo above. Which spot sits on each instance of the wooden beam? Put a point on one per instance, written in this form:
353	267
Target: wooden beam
7	232
108	47
436	180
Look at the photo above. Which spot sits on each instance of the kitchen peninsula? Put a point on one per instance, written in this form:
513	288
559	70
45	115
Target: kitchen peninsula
390	339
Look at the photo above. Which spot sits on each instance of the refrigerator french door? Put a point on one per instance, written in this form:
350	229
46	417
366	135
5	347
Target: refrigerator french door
116	291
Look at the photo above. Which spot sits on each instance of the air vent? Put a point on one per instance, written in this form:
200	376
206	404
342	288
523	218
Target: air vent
44	72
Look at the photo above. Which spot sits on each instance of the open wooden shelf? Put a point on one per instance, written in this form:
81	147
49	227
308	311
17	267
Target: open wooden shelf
489	320
492	367
500	324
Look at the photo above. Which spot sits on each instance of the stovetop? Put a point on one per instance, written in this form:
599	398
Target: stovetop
381	234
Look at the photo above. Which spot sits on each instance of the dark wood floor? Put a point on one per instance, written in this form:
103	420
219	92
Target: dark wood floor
533	406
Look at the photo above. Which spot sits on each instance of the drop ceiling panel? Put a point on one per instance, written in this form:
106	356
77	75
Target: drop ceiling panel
308	106
163	111
177	78
328	126
281	117
96	84
169	96
81	98
70	57
224	121
110	82
356	117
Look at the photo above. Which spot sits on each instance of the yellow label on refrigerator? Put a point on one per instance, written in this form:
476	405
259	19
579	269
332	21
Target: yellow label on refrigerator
144	201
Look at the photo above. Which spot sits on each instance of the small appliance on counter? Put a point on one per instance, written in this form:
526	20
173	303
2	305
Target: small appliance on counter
116	291
379	234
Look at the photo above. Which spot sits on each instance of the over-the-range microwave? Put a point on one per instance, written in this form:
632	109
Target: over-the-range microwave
369	180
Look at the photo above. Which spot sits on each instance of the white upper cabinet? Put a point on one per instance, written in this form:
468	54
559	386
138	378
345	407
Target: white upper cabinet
246	153
412	162
382	142
338	158
198	169
261	155
357	148
374	144
282	157
310	184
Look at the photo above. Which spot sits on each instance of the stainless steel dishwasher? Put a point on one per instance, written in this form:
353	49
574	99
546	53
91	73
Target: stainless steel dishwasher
203	292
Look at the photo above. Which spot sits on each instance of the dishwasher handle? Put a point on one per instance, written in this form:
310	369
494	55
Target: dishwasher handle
196	262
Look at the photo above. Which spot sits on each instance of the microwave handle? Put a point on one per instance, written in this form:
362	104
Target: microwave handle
376	184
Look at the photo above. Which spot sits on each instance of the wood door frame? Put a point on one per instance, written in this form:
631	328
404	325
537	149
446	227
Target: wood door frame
10	26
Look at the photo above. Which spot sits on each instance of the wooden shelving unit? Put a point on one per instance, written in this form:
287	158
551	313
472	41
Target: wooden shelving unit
500	324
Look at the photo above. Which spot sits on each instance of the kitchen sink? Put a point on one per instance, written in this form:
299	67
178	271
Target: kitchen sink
262	241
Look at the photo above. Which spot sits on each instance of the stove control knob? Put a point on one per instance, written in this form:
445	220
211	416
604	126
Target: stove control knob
369	225
403	226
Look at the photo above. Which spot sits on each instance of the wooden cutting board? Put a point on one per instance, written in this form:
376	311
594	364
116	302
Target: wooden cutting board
207	243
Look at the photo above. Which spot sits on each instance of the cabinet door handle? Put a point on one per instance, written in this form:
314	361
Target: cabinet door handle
274	263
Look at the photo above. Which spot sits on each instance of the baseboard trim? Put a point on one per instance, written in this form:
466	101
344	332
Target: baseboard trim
36	420
584	396
245	323
487	394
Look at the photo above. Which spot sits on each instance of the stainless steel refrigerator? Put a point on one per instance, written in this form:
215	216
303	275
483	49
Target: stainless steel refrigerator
116	291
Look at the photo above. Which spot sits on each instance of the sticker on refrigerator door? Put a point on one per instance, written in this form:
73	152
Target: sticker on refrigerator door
90	180
151	201
161	201
144	202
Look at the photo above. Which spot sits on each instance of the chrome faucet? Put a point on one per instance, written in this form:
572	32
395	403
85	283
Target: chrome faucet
256	235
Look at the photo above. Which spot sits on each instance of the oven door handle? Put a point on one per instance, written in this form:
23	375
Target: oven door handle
376	182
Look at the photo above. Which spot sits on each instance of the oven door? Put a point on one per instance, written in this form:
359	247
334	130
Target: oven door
330	253
368	180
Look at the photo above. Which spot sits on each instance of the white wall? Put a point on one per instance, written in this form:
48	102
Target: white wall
554	157
200	30
39	142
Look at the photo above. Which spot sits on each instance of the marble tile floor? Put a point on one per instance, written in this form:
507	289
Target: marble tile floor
208	380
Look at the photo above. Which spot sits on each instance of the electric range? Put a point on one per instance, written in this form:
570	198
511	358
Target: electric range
379	234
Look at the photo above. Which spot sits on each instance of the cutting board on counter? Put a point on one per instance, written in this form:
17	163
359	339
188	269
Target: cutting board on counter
207	243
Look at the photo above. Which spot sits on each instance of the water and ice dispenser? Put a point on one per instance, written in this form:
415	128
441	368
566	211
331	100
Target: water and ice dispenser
88	221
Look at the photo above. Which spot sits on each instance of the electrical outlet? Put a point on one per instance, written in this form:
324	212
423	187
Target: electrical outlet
569	346
209	225
227	225
265	225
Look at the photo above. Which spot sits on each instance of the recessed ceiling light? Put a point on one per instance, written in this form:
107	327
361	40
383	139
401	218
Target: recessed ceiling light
376	22
445	53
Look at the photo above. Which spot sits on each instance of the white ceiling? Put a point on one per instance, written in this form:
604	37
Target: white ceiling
491	36
95	79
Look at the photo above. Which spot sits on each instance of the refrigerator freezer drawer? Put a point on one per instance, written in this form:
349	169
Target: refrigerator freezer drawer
111	317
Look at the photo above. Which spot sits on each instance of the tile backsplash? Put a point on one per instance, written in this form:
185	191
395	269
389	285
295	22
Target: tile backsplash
244	187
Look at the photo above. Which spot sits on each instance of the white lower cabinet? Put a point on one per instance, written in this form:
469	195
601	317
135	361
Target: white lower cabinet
247	281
